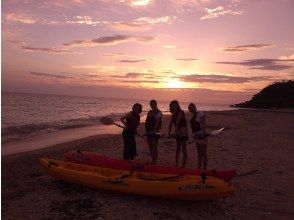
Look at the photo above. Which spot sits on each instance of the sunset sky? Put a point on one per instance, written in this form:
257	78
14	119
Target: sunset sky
206	51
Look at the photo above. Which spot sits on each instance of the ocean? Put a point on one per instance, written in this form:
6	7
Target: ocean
24	114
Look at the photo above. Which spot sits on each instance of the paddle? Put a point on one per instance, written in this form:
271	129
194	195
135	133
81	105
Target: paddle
212	133
215	132
109	121
247	173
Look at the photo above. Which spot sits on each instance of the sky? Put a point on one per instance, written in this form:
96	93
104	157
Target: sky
206	51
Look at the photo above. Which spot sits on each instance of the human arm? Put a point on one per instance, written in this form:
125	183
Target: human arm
137	125
203	123
123	119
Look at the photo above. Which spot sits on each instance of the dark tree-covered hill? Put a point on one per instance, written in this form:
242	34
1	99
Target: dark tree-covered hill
276	95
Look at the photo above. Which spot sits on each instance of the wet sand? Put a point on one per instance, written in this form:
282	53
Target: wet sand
49	139
252	140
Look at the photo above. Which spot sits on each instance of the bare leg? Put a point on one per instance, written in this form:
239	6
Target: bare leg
155	150
152	144
184	150
154	153
149	140
204	155
178	153
199	151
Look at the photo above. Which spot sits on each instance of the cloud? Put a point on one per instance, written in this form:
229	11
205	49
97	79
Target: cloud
120	38
125	58
216	78
108	40
21	18
131	61
186	59
132	75
287	58
248	47
44	49
72	77
142	24
49	75
84	20
218	12
264	64
136	75
139	24
140	81
26	19
169	73
114	55
54	50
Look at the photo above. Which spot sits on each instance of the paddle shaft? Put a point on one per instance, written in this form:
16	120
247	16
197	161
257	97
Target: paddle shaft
118	125
212	133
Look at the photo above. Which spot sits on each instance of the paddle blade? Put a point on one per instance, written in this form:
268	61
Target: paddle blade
216	132
106	121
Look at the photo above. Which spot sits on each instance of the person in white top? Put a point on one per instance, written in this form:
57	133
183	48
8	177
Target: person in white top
198	127
153	127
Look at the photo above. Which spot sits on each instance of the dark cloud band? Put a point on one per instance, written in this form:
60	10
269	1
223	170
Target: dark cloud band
214	78
108	40
240	48
186	59
130	61
264	64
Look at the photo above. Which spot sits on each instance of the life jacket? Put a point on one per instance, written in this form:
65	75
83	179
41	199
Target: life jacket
182	122
133	122
151	121
195	125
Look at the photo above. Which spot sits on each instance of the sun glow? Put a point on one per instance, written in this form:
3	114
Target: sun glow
140	2
174	83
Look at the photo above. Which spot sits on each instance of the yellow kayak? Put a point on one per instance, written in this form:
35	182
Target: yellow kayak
139	183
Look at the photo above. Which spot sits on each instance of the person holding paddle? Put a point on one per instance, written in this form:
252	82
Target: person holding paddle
178	120
131	121
198	127
153	126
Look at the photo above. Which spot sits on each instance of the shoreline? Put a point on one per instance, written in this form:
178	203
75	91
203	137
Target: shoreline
40	141
44	140
252	140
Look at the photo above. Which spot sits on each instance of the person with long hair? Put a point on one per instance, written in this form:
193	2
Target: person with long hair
198	127
179	122
131	122
152	127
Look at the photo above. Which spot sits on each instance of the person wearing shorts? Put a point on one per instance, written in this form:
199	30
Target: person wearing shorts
152	127
179	122
131	121
198	127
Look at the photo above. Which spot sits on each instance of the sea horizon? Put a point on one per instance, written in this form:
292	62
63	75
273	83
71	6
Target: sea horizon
28	114
111	97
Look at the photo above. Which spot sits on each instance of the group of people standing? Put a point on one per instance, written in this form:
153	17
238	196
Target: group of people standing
153	127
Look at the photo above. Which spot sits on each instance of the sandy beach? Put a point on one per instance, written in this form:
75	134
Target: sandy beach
253	140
